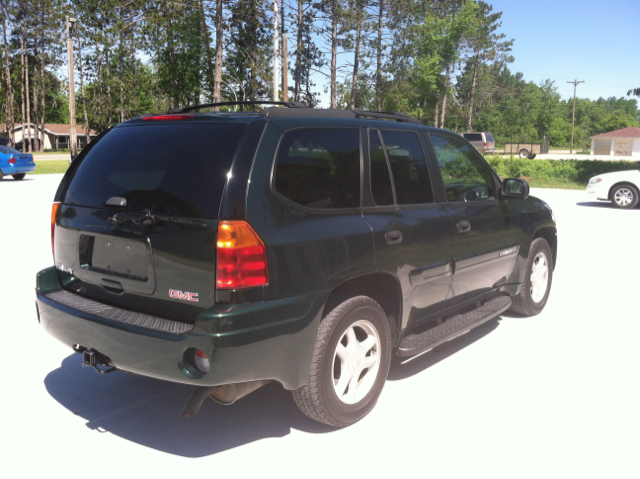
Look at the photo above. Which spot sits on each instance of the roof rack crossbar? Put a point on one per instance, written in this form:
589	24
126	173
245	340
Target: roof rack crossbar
288	104
390	115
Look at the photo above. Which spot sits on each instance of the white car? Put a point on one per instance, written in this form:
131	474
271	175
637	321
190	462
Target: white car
622	188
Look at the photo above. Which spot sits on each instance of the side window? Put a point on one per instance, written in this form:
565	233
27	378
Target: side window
466	177
380	179
408	167
320	168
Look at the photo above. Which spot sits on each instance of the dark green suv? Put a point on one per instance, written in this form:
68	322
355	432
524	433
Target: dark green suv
303	246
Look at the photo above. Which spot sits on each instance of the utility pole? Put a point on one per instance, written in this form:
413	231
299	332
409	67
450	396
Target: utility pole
276	53
573	120
71	21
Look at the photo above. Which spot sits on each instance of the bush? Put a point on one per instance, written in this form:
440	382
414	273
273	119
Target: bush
575	171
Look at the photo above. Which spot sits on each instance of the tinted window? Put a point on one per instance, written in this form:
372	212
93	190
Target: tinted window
473	136
489	137
466	177
171	169
320	168
408	167
380	179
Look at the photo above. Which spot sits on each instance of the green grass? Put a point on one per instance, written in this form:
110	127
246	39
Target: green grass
50	166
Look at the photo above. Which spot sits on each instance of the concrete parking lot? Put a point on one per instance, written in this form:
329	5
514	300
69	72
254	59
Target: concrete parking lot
553	395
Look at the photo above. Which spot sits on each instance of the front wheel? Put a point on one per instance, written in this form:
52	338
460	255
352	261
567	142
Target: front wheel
19	176
624	196
537	282
350	364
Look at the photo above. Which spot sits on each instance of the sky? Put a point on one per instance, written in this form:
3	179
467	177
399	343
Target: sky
564	40
597	42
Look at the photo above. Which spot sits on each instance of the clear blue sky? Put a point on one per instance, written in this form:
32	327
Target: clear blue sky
594	41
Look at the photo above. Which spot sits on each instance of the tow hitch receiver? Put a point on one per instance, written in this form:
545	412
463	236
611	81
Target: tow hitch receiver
93	359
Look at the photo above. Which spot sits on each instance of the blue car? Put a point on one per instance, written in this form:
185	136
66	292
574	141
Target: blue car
15	163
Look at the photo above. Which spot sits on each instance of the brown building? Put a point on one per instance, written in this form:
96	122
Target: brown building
624	142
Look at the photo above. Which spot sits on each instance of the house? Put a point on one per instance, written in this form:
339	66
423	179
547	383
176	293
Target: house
624	142
56	135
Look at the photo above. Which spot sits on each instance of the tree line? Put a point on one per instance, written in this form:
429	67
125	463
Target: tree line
442	61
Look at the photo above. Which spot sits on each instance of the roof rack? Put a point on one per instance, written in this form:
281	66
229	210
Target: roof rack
390	115
288	104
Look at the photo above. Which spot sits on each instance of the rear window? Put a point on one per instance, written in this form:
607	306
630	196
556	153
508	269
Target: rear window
472	136
177	170
489	137
9	151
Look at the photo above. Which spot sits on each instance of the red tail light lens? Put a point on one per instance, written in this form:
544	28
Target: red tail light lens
12	160
485	144
241	257
54	211
167	117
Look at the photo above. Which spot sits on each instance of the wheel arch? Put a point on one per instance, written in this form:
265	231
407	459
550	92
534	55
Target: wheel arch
383	288
549	234
620	183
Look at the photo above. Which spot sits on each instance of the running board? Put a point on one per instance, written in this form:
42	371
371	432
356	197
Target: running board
413	344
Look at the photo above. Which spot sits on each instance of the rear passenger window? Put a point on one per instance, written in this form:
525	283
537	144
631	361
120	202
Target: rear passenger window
380	179
320	168
408	167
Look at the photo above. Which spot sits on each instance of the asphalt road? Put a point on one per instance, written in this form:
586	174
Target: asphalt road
554	395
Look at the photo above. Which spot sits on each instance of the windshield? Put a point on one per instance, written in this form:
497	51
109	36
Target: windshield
168	169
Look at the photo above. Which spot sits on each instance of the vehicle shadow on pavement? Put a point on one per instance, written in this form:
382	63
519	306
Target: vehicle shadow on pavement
595	204
147	411
404	367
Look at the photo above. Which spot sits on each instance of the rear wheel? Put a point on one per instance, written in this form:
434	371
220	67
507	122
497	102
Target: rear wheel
350	364
537	283
19	176
624	196
524	153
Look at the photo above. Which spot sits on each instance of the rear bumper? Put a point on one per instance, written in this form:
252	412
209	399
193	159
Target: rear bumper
253	341
18	168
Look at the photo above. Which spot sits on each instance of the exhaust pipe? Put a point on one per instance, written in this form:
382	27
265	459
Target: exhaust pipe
226	394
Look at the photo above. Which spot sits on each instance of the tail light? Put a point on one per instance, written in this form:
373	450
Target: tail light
54	211
485	144
241	257
12	160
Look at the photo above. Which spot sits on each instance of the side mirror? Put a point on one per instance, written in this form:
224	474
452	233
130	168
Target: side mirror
515	188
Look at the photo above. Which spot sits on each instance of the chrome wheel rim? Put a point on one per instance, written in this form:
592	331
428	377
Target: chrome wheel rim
356	362
623	197
539	277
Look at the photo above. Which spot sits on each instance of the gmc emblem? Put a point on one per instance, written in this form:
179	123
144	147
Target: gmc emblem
174	293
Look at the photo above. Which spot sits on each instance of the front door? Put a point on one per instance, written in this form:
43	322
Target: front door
485	240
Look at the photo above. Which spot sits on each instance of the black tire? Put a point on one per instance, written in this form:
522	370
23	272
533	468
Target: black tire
318	398
19	176
524	153
531	156
624	196
1	175
525	302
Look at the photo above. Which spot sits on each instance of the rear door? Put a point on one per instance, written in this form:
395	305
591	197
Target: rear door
138	221
412	232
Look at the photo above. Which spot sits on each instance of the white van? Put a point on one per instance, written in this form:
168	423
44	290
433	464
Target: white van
483	141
